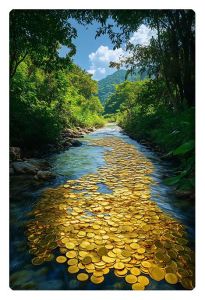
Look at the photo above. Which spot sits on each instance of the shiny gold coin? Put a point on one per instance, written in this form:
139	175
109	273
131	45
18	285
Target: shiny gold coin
96	280
70	245
146	264
141	250
157	273
135	271
90	266
131	279
73	269
90	234
72	262
119	265
143	280
126	253
65	240
171	278
134	246
71	254
138	286
61	259
87	260
108	259
98	273
82	276
105	271
122	272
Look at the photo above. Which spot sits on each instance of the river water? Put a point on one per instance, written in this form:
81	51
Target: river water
70	165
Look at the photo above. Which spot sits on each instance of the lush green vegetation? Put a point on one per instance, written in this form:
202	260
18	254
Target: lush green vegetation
106	86
146	119
47	93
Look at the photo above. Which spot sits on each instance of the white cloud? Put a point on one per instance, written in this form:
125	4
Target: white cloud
101	58
143	36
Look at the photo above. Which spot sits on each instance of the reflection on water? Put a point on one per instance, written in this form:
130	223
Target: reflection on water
73	164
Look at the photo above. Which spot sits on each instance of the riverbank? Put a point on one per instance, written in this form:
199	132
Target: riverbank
180	189
32	161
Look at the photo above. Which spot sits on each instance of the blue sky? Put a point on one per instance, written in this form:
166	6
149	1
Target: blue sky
94	55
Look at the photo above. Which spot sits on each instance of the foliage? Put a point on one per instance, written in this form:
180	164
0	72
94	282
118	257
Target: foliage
142	110
106	86
42	104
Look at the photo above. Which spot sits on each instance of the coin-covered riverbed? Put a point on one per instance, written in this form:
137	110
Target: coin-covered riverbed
111	227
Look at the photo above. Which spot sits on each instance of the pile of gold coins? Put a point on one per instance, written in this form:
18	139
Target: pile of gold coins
123	231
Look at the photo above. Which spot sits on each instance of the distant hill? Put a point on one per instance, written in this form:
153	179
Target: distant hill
106	86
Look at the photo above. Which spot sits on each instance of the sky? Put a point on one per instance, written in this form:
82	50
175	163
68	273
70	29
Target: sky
94	55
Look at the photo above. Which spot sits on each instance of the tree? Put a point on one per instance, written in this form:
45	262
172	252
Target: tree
39	34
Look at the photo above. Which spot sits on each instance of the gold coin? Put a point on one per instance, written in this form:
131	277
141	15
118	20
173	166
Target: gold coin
87	260
90	234
141	250
71	254
37	261
171	278
82	276
108	259
73	269
135	271
102	251
146	264
143	280
131	278
96	280
70	245
72	262
90	266
134	245
98	273
61	259
138	286
126	253
157	273
65	240
106	271
122	272
119	266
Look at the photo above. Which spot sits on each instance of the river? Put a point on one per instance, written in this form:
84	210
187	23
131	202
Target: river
70	166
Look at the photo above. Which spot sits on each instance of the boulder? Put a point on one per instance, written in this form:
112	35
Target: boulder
45	175
75	143
15	153
40	164
24	167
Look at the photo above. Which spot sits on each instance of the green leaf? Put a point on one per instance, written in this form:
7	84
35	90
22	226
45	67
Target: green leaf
172	180
184	148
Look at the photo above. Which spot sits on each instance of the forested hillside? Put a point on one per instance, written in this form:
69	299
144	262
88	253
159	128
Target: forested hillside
106	86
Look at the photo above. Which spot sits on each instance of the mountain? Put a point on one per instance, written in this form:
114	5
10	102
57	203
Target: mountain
106	86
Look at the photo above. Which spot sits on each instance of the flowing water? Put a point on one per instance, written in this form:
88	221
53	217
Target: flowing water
73	164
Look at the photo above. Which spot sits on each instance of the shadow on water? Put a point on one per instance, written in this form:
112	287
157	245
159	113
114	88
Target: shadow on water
72	164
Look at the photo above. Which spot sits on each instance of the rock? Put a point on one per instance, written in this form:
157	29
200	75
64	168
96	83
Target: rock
40	164
15	153
75	143
23	167
45	175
